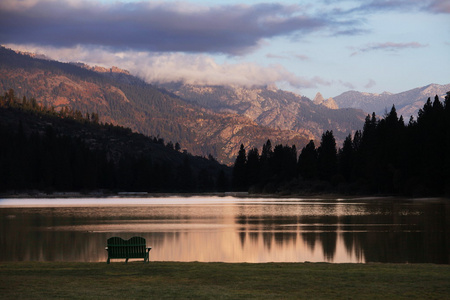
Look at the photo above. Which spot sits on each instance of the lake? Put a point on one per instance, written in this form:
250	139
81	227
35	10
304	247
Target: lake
227	229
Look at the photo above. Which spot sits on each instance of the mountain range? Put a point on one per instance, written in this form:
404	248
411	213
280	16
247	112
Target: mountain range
406	103
203	120
273	108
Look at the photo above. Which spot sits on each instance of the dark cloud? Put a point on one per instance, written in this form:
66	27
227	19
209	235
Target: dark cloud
232	29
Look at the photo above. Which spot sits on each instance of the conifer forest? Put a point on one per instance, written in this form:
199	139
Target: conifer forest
387	157
47	150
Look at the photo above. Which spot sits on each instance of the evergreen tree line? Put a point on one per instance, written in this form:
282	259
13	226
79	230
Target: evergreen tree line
10	100
53	162
386	157
47	159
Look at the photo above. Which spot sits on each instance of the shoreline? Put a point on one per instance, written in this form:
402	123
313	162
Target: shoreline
238	195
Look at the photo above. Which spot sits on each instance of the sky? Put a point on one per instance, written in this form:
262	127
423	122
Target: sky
310	46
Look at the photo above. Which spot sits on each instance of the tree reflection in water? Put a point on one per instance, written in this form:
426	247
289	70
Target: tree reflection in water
293	230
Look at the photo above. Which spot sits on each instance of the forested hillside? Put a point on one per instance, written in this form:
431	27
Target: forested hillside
48	150
385	157
124	100
274	108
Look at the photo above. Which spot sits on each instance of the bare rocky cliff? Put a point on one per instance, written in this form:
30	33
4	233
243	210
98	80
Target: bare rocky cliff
330	103
274	108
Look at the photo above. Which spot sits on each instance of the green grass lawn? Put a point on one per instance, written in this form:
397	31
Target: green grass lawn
174	280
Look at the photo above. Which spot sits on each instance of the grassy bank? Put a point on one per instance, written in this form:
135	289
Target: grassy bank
171	280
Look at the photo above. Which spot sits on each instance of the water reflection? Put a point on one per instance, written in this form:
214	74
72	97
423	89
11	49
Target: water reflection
231	230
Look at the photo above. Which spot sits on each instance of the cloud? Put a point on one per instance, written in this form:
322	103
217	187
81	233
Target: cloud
374	6
276	56
440	6
370	84
348	85
351	31
370	6
288	56
302	57
153	26
388	46
162	67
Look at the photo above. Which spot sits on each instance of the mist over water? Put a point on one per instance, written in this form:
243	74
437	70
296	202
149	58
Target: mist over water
229	229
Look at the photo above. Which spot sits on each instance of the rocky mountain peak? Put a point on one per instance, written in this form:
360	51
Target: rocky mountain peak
435	89
329	103
318	99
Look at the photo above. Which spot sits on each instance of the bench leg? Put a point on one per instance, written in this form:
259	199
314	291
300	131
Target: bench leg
126	261
147	255
107	261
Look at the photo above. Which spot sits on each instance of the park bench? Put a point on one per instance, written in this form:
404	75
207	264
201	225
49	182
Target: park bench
132	248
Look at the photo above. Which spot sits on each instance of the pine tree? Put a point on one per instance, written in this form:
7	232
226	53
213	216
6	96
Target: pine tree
446	137
222	182
346	158
265	163
253	167
307	162
327	157
240	171
284	162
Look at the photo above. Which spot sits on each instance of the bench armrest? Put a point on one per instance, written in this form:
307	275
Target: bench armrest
106	248
148	249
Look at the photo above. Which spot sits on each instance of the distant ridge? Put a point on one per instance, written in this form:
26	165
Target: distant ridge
407	103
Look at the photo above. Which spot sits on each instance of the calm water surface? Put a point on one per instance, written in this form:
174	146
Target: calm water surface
229	229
